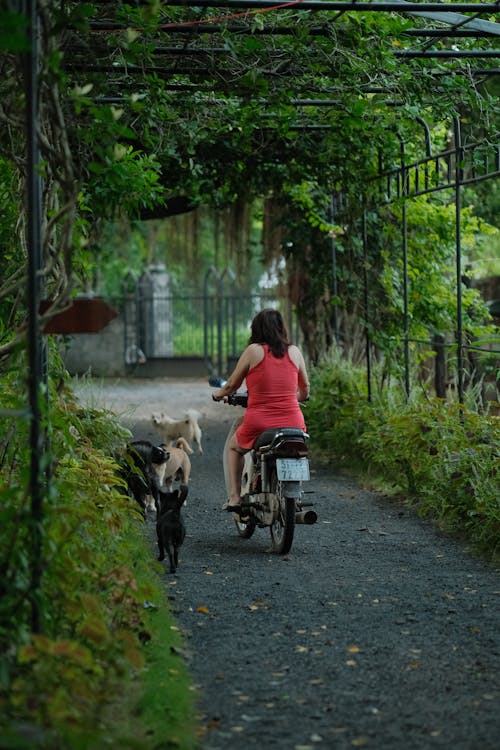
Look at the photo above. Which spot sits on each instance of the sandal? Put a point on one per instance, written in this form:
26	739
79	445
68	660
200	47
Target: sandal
232	508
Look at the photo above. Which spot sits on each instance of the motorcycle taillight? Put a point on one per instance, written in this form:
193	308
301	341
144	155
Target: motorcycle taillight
291	449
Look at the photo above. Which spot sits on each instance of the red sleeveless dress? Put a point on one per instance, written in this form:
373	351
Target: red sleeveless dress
272	398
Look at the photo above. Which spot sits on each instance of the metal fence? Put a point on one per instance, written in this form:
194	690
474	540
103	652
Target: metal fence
213	325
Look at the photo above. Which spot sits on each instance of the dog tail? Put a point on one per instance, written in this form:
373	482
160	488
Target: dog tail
183	444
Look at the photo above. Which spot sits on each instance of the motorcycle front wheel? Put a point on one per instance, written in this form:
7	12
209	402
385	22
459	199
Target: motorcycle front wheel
282	529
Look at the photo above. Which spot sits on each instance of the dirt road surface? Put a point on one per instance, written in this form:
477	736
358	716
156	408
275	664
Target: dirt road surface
376	631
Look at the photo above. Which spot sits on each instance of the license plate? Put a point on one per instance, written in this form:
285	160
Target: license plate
292	469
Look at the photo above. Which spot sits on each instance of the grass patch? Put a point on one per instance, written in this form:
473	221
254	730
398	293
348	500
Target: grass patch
153	706
166	703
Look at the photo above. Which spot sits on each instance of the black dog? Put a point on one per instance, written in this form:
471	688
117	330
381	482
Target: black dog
170	527
139	472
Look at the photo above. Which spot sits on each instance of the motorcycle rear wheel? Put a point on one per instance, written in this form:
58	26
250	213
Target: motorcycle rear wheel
282	530
244	528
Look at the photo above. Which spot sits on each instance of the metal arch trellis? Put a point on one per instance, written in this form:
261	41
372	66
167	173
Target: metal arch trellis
447	13
450	169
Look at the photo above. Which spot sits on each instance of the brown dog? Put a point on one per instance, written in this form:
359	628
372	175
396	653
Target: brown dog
176	468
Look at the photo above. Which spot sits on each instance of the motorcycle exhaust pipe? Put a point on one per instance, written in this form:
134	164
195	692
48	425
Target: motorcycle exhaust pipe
306	516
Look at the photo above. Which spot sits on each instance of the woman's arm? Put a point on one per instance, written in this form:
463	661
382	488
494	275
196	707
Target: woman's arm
249	358
303	383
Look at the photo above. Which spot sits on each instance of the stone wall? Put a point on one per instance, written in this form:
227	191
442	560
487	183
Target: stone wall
101	354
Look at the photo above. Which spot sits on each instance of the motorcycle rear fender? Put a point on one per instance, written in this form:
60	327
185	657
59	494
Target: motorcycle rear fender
292	489
285	446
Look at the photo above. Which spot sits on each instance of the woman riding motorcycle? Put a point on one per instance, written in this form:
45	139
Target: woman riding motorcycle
276	380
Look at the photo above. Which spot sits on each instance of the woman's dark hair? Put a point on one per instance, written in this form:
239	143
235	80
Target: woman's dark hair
268	327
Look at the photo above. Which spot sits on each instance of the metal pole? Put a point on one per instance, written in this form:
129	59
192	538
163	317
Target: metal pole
208	324
405	301
225	306
404	192
458	255
335	315
366	301
440	365
35	352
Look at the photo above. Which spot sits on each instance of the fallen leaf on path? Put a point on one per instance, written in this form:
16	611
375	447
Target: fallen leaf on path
353	649
213	723
257	604
179	652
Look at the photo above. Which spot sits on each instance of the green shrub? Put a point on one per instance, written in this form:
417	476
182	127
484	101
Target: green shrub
336	412
443	456
95	640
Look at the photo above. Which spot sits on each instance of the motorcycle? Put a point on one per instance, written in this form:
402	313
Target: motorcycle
274	470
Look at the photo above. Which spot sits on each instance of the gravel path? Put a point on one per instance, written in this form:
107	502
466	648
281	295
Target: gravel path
375	631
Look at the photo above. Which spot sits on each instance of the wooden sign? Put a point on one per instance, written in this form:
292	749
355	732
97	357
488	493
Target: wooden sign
84	315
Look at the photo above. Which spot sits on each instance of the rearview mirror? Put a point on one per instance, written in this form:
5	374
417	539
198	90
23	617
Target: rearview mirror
216	381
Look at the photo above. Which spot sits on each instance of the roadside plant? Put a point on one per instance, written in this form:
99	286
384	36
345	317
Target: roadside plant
442	456
91	630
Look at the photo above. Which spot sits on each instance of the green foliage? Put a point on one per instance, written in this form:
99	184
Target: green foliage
96	578
13	31
444	457
431	278
122	178
336	412
448	459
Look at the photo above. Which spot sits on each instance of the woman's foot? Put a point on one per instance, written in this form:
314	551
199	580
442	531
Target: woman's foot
232	507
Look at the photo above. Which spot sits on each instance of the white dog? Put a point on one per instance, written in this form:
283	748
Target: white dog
172	429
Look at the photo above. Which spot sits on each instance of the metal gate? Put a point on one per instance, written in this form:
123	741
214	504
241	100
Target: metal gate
212	326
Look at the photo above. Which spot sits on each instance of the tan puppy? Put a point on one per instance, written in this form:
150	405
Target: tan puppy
176	468
171	429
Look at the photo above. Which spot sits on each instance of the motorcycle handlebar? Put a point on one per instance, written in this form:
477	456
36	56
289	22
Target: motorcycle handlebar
234	399
238	399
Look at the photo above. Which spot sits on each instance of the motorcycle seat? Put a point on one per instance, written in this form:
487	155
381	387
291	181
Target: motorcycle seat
267	437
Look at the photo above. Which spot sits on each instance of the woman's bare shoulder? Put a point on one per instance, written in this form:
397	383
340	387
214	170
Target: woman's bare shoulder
254	352
295	354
